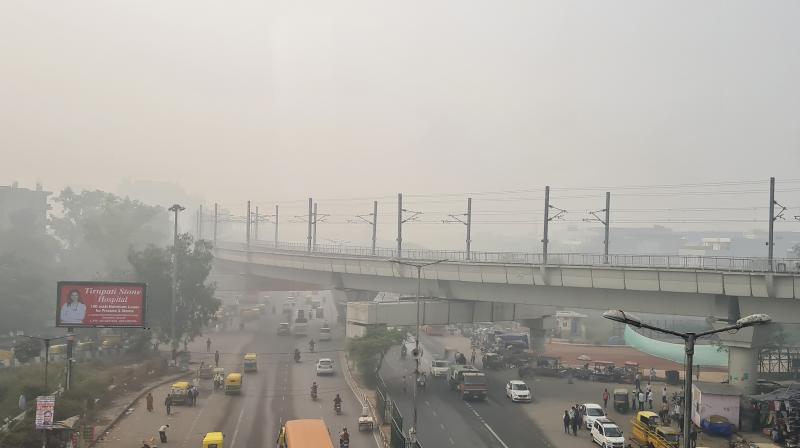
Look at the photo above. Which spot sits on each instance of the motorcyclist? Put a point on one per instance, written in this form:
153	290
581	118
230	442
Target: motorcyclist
314	390
337	402
344	438
311	345
296	354
403	350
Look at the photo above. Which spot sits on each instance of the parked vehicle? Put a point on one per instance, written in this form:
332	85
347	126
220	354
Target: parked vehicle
604	371
621	400
648	431
607	434
592	412
325	333
468	381
283	328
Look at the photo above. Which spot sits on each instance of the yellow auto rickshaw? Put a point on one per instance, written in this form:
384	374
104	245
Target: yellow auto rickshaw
233	383
250	362
180	392
213	440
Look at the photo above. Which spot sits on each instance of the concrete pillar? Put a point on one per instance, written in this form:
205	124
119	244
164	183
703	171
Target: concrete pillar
539	328
742	358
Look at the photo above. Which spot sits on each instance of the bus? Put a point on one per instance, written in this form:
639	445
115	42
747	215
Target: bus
307	433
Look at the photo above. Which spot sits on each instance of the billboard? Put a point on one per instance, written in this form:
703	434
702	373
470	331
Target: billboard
101	304
45	408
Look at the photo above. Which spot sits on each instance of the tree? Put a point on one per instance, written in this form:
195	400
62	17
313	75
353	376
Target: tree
368	351
98	228
195	302
28	266
26	349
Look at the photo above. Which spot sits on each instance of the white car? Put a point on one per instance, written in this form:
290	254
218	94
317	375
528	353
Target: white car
325	333
325	366
607	434
518	391
439	367
593	412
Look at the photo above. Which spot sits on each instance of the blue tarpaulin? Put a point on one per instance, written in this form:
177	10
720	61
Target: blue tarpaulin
704	355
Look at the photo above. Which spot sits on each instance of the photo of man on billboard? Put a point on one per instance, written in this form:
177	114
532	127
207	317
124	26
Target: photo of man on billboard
73	311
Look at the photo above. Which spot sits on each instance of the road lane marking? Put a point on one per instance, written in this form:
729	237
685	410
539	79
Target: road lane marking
486	425
194	423
239	423
451	441
441	425
434	413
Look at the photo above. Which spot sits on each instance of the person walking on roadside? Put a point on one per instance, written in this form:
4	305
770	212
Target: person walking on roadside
641	400
652	373
635	398
605	399
664	394
566	421
149	400
208	345
574	423
650	399
693	437
162	433
168	403
637	381
216	358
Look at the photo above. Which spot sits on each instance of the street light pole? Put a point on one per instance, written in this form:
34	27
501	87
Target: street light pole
175	209
413	430
689	340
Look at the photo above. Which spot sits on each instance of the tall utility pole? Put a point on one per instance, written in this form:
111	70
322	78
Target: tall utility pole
546	223
255	225
216	218
400	227
276	226
374	225
372	220
314	227
771	242
310	212
607	224
175	209
416	352
467	221
247	225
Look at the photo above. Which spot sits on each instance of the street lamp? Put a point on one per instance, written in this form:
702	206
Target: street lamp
412	432
46	342
175	209
689	339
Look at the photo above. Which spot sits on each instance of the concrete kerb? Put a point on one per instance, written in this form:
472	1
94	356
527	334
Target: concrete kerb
362	398
144	392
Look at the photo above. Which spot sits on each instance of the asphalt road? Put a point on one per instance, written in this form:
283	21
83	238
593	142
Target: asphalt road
279	391
444	419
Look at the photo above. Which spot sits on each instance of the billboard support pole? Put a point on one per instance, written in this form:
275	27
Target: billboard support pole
175	208
70	348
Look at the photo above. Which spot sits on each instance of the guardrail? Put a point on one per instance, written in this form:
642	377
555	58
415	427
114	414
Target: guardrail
730	264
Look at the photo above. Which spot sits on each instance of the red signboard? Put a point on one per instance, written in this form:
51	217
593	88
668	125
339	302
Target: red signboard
101	304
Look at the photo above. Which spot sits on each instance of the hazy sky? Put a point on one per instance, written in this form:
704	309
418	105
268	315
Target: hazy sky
278	100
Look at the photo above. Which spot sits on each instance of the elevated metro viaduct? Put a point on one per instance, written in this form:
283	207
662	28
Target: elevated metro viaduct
473	291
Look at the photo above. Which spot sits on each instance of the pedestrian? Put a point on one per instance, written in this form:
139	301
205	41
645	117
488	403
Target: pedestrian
652	373
664	394
208	345
664	413
282	438
404	385
605	399
168	403
574	423
693	437
641	400
196	394
650	399
635	398
162	433
637	381
216	358
149	400
566	421
649	387
472	357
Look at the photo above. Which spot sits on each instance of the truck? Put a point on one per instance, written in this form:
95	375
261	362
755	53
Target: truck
300	324
468	381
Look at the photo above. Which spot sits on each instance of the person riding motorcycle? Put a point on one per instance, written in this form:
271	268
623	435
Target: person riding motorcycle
314	390
403	351
344	438
337	403
297	355
311	345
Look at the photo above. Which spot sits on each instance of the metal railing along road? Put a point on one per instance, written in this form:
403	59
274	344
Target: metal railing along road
691	262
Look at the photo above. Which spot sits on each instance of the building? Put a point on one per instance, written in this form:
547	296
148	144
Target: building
570	325
714	399
23	204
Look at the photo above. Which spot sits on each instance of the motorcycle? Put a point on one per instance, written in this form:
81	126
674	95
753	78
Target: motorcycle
296	356
344	443
403	351
314	394
338	408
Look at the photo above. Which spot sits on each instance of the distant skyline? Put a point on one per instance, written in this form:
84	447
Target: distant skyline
278	101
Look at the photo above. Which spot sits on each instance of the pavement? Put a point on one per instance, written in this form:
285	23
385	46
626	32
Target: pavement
279	391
